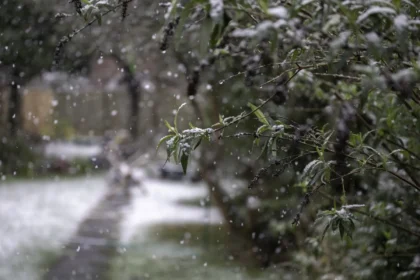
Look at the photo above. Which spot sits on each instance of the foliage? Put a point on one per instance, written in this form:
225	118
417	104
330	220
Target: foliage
335	88
29	38
179	145
357	63
16	158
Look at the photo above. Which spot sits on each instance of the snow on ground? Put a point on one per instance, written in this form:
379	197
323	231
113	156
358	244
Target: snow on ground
67	150
159	206
38	217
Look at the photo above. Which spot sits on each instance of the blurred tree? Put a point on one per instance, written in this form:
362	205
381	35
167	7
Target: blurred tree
130	40
28	37
335	120
330	78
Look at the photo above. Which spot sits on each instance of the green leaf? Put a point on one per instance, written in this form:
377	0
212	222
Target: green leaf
170	127
259	114
256	142
86	1
215	35
307	171
173	8
274	148
325	231
325	144
219	30
316	177
205	33
274	46
270	146
184	162
176	116
341	229
171	146
176	152
264	148
334	223
163	139
264	5
349	228
198	142
262	129
99	18
183	18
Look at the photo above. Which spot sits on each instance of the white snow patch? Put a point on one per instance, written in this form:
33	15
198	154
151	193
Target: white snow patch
159	206
401	22
66	150
40	216
375	10
280	12
216	11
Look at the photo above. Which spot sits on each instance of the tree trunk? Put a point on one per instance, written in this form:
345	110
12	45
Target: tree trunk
133	87
15	100
134	91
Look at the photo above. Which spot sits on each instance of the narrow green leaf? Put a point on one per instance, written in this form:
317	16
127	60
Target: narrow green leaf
334	223
325	231
341	229
173	8
263	150
270	146
259	114
325	144
262	129
205	33
274	46
176	116
184	162
197	143
274	148
171	146
182	20
170	127
255	143
215	34
163	139
99	18
348	228
176	152
264	5
220	118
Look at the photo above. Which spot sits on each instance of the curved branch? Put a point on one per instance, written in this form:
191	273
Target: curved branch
67	38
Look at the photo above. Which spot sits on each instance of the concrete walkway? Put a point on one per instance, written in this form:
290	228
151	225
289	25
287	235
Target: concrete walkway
89	252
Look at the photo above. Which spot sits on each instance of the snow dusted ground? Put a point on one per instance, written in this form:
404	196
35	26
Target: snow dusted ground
160	205
38	217
66	150
165	238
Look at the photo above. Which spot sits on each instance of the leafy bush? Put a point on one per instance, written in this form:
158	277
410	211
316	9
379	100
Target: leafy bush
337	103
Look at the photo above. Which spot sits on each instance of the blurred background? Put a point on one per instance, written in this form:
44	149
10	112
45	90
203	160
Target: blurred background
61	211
86	88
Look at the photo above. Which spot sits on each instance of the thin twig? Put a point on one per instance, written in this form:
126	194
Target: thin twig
67	38
339	76
388	223
258	107
375	217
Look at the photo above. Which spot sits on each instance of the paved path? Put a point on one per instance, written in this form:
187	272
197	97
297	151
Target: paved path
89	252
